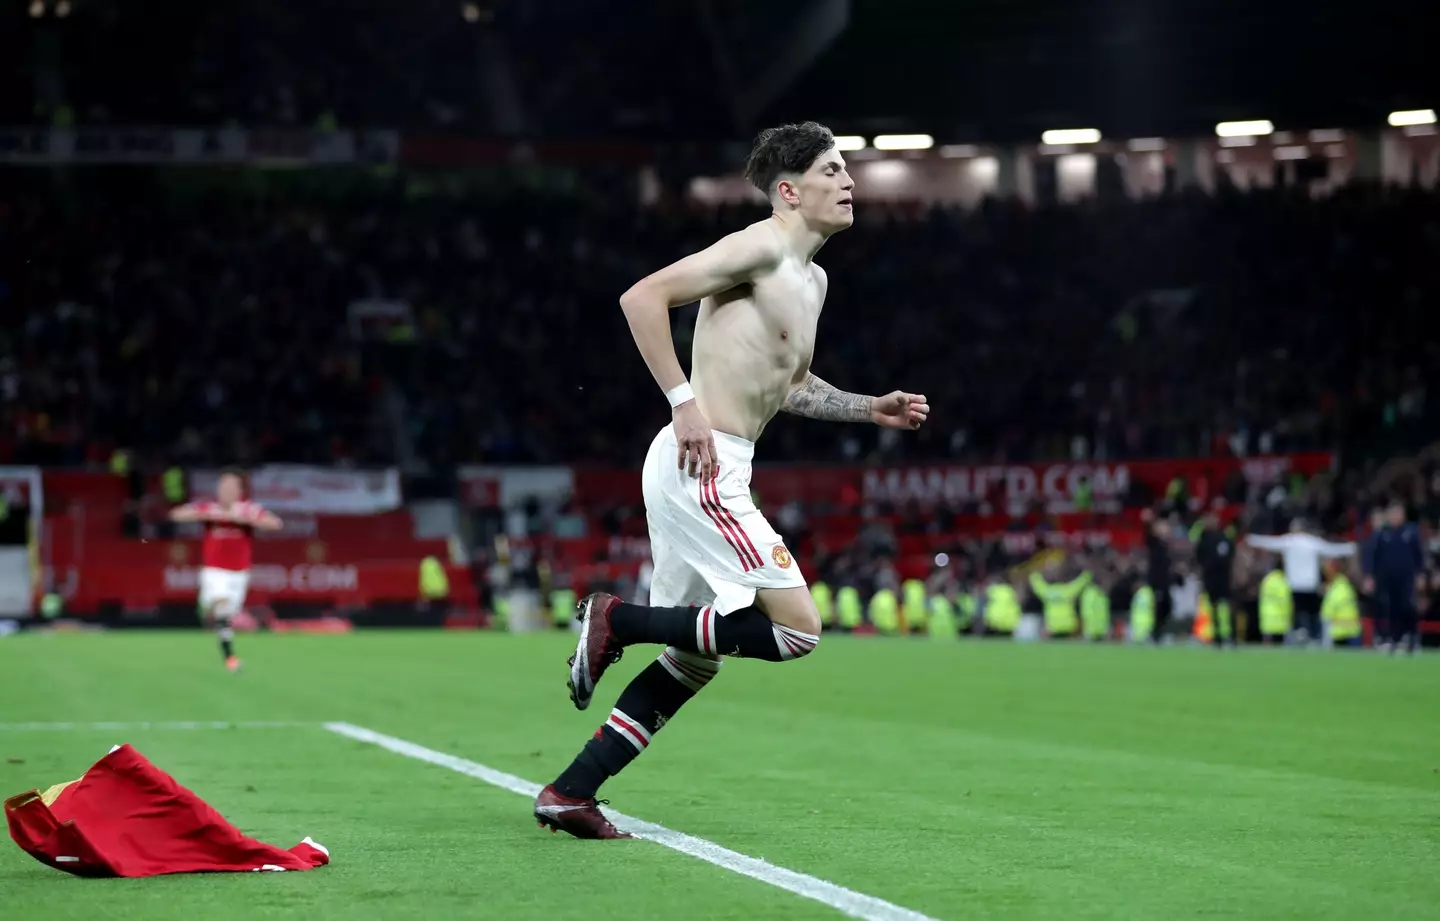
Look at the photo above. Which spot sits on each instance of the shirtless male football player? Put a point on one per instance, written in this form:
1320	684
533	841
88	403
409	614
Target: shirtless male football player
724	584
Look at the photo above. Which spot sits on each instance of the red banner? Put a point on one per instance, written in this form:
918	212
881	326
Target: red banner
330	583
1001	485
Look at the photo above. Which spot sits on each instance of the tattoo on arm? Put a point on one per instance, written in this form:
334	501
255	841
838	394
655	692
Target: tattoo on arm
816	399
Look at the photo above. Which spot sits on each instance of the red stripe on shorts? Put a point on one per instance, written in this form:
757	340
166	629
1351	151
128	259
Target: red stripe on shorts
746	537
710	502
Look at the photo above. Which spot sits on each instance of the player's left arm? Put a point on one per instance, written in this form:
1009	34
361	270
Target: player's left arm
816	398
261	519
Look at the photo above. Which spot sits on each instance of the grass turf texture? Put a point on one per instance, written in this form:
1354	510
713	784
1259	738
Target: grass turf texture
963	781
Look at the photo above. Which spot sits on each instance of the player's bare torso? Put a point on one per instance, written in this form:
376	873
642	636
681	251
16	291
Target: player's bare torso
754	342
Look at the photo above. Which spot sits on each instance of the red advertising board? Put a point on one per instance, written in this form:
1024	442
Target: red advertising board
326	583
1001	485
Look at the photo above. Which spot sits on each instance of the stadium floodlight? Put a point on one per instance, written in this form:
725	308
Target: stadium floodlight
903	142
845	142
1061	136
1412	117
1252	128
37	9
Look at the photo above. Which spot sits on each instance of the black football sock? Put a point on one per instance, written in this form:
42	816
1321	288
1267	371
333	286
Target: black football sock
227	641
644	707
745	633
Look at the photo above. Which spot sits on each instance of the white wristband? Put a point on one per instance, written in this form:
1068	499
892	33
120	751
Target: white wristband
681	393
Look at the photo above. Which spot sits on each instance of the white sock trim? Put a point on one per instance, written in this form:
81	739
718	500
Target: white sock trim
792	643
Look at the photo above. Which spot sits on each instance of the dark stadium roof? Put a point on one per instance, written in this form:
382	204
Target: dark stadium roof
962	70
992	69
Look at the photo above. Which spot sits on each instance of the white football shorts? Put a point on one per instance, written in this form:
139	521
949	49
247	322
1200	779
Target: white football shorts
224	589
709	543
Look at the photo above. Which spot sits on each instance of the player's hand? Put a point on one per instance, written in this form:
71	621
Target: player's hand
899	410
1368	587
695	441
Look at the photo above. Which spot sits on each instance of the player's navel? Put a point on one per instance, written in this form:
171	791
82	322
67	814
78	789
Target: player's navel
784	334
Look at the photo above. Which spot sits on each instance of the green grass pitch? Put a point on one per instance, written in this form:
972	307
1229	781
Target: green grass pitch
963	781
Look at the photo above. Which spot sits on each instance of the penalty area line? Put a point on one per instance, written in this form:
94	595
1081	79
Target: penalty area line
846	901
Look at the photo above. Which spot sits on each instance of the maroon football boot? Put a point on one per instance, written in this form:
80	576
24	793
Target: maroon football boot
597	649
579	817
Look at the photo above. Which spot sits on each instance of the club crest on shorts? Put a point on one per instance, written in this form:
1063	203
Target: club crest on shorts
781	556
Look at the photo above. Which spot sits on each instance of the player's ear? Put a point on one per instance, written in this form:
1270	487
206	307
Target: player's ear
788	192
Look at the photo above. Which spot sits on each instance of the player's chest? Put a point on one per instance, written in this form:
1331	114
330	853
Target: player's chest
790	305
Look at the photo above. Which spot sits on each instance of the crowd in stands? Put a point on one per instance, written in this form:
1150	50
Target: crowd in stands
212	325
564	68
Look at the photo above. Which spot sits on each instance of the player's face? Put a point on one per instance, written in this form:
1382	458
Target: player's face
1395	515
228	489
825	193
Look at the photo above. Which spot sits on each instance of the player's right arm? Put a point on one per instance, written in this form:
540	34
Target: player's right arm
734	260
188	513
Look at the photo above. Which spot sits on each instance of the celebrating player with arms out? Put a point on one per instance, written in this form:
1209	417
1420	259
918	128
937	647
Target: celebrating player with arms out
723	582
230	524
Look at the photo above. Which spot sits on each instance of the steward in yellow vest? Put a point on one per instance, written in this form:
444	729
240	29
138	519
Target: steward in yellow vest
885	612
941	623
1002	608
1277	608
1059	602
848	609
1095	613
1341	610
913	607
1142	614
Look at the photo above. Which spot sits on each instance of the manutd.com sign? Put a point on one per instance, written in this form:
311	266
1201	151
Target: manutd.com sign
1013	483
307	577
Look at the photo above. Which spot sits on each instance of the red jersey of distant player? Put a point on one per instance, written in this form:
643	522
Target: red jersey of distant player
230	523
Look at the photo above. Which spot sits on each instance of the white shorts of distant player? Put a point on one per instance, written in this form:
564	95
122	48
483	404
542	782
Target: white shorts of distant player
222	591
708	541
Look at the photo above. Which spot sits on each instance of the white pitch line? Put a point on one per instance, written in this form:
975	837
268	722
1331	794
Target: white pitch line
109	727
847	901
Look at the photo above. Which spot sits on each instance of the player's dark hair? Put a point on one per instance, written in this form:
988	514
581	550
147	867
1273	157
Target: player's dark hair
232	471
785	149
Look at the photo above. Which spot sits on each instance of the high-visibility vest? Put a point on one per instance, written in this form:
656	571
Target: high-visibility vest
824	603
941	623
1341	609
969	607
173	484
885	611
562	606
848	608
1095	612
1002	608
1142	613
913	591
1059	601
434	582
1276	604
